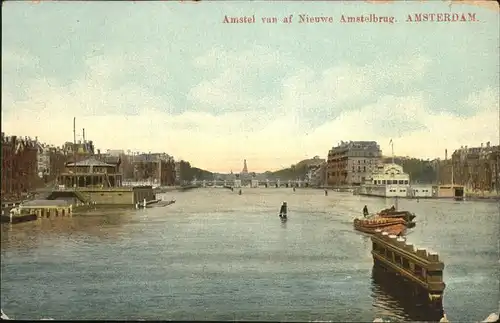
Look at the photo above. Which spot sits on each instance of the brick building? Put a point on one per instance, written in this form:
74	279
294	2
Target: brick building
476	168
350	163
155	168
19	166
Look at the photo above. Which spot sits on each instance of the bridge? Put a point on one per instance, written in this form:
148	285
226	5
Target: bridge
238	183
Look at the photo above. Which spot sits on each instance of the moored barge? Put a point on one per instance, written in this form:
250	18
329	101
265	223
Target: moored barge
417	265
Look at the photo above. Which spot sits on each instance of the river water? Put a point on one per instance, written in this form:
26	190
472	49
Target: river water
216	255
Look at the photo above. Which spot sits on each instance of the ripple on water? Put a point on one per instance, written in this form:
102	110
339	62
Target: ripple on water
215	255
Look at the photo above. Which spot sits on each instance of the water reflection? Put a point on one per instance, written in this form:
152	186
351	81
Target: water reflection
393	299
98	223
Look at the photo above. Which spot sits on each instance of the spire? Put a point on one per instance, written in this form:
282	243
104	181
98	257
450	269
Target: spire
245	169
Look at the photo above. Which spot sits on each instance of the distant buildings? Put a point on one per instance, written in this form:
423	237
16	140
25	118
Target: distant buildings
177	169
244	171
91	172
157	168
315	171
51	162
19	166
476	168
80	150
28	164
317	177
351	163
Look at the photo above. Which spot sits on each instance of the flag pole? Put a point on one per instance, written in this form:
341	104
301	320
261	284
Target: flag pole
392	147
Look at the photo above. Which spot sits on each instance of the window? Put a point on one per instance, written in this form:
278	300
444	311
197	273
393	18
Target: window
364	168
401	182
383	181
406	182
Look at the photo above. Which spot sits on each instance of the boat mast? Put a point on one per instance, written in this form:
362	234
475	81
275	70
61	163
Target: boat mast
74	152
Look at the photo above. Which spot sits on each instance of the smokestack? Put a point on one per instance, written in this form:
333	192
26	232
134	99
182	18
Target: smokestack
74	130
446	154
83	133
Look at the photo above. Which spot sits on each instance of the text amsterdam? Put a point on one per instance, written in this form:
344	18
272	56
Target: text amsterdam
442	17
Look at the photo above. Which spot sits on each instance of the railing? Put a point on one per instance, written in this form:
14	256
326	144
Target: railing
139	183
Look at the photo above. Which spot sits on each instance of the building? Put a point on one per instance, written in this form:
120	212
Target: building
157	169
58	159
43	159
422	191
388	180
315	171
19	166
177	168
81	150
91	173
97	182
244	171
318	176
351	163
475	168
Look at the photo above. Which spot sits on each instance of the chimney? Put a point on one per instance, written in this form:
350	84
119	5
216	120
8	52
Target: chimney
98	152
488	144
83	133
446	154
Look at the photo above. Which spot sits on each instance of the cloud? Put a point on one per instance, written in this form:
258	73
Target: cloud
303	111
18	59
426	134
314	95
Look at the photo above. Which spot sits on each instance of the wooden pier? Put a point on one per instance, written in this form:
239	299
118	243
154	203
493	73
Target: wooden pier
47	208
417	265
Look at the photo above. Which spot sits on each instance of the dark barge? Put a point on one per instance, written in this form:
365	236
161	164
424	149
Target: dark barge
416	265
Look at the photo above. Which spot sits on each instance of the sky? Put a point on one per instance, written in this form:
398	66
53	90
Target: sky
172	77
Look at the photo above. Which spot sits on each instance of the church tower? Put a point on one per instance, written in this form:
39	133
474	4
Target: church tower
245	169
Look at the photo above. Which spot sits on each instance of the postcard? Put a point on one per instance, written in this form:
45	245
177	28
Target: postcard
250	160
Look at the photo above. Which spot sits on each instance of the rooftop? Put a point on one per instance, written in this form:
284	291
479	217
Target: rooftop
90	162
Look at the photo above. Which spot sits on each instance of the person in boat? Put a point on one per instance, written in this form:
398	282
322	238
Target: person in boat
283	210
365	211
326	192
392	208
239	192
